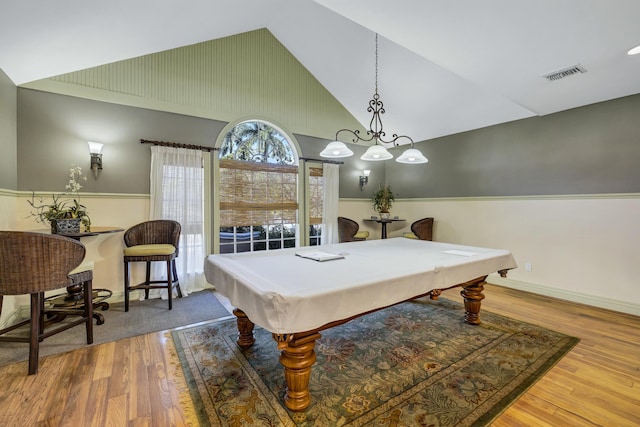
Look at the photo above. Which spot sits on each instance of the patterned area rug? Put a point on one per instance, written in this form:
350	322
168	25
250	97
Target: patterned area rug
415	364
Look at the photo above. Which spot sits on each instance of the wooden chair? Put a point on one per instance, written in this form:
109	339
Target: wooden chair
149	242
33	263
348	230
421	229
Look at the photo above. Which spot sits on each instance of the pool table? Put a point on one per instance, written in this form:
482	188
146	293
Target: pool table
295	298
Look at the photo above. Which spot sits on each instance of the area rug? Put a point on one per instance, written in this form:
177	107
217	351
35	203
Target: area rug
143	317
414	364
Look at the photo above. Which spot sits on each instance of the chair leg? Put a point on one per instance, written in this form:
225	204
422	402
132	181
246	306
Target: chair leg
175	277
147	280
34	333
88	309
126	286
169	285
41	317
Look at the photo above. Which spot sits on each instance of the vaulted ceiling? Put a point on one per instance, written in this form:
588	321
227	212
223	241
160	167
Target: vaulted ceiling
444	67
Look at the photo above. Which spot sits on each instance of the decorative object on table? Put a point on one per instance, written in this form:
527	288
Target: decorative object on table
383	200
413	364
65	225
64	212
376	152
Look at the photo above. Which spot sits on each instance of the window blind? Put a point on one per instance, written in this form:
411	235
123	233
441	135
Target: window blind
257	193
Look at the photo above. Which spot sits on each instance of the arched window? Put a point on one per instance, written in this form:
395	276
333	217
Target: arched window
258	188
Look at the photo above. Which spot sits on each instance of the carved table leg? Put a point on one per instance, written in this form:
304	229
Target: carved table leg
472	294
297	357
245	329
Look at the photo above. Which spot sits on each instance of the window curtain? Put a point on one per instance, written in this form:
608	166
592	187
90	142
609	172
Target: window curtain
331	173
177	180
316	195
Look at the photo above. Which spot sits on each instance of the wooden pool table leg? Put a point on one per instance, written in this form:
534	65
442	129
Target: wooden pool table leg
245	329
297	357
473	296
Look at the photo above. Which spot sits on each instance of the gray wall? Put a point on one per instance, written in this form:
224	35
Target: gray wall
589	150
8	133
54	129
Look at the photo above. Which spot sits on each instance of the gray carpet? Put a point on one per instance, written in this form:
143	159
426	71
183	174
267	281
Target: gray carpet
143	317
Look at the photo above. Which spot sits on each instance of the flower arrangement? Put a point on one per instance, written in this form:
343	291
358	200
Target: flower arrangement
64	205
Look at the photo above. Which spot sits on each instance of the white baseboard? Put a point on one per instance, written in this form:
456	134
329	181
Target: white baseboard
600	302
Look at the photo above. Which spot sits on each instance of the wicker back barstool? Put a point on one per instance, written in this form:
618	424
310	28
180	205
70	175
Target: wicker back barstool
33	263
421	229
148	242
348	230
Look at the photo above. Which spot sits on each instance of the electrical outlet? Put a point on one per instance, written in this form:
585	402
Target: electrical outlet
527	266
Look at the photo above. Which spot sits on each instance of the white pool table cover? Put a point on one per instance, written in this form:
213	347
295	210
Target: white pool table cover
285	293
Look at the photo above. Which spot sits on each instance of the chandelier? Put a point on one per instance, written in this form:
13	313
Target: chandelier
376	152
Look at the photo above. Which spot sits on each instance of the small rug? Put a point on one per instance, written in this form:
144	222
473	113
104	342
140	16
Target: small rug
414	364
143	317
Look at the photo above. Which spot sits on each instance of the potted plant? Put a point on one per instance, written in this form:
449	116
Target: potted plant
64	213
383	200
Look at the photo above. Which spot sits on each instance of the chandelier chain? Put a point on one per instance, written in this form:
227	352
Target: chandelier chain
376	62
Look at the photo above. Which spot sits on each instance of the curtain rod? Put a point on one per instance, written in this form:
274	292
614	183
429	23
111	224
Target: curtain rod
177	145
336	162
203	148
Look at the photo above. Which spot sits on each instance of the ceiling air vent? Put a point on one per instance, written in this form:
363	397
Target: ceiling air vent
565	72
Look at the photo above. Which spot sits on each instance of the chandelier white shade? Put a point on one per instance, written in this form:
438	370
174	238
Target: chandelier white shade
412	156
376	153
335	150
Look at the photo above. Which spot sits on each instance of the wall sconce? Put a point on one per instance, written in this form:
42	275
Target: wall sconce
364	178
95	149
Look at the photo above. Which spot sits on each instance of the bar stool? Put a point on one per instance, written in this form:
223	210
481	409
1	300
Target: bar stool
33	263
148	242
348	230
421	229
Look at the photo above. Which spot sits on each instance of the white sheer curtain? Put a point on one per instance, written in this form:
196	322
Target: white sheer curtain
331	175
177	179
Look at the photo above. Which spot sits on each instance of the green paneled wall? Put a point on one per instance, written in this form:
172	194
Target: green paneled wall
246	75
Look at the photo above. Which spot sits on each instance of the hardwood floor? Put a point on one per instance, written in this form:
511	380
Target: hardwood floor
596	384
131	382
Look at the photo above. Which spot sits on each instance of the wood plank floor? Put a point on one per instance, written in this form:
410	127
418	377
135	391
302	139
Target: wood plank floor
130	382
